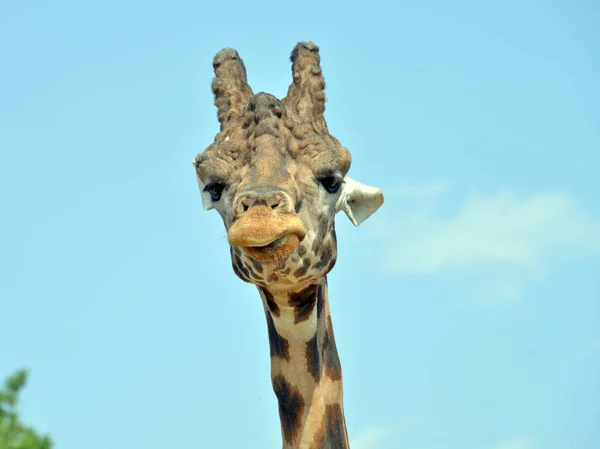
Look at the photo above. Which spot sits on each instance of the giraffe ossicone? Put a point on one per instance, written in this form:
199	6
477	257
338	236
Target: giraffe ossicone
277	178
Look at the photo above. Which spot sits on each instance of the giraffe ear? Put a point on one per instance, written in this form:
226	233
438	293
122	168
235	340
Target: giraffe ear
358	200
207	202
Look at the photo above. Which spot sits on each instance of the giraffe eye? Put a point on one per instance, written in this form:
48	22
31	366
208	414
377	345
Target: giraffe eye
215	189
331	183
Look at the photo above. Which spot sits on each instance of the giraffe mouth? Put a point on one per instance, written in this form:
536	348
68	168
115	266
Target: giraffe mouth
276	251
273	244
267	236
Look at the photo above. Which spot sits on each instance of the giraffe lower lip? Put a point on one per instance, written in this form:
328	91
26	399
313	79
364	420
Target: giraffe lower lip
275	251
273	244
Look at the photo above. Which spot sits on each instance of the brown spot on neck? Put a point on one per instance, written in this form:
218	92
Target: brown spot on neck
313	359
271	304
278	346
291	408
333	368
303	302
333	433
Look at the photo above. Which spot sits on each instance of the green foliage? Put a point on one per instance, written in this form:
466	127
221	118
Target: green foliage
13	434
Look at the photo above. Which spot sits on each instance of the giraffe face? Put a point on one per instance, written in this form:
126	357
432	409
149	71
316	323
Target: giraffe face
277	177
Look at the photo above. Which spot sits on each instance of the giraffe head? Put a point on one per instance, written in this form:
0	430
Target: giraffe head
276	176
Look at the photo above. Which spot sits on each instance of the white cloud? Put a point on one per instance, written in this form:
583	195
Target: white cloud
374	437
505	239
370	438
517	443
502	229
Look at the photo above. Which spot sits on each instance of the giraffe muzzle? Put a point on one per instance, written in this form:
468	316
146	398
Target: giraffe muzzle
265	235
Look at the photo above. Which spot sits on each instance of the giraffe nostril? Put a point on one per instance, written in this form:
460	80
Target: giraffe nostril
275	201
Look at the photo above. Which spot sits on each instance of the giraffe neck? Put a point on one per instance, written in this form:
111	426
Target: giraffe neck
305	368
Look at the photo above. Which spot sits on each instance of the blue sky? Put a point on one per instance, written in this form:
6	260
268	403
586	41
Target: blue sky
467	310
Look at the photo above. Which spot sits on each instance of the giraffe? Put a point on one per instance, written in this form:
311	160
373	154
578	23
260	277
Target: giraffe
277	178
